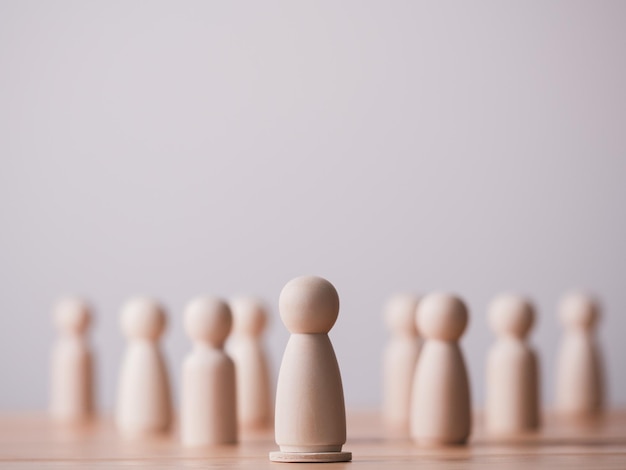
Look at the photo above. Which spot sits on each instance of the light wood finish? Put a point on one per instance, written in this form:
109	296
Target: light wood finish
512	399
144	404
310	411
440	398
208	395
254	389
580	377
399	360
312	457
34	441
71	393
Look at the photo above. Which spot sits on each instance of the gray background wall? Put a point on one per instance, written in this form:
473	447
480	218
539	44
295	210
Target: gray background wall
176	148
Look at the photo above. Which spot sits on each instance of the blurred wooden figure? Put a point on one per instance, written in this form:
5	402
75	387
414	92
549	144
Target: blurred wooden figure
399	361
440	405
512	401
208	412
580	381
72	363
143	405
254	395
310	423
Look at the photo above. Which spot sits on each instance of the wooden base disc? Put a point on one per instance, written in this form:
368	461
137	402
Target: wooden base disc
310	456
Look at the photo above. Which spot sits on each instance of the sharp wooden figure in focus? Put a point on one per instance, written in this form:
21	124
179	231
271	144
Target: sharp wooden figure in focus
310	420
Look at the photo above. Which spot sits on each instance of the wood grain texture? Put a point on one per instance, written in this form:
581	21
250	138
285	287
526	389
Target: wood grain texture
31	440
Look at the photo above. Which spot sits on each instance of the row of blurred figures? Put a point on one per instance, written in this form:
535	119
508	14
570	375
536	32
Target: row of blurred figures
512	402
240	390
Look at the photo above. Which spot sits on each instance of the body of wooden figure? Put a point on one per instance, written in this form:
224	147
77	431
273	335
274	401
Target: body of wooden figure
440	405
310	419
144	401
208	395
309	416
254	395
512	400
399	361
72	363
580	381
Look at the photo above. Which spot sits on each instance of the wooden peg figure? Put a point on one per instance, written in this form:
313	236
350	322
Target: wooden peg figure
399	362
143	405
440	406
72	363
580	381
208	413
310	419
254	395
512	402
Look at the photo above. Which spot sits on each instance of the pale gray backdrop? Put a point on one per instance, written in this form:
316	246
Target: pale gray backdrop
176	148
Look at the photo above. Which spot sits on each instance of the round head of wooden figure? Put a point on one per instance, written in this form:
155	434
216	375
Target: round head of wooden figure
400	314
511	315
208	320
441	316
143	318
72	315
579	311
249	316
309	305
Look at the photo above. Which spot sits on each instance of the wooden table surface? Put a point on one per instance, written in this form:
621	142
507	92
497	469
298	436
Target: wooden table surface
31	440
